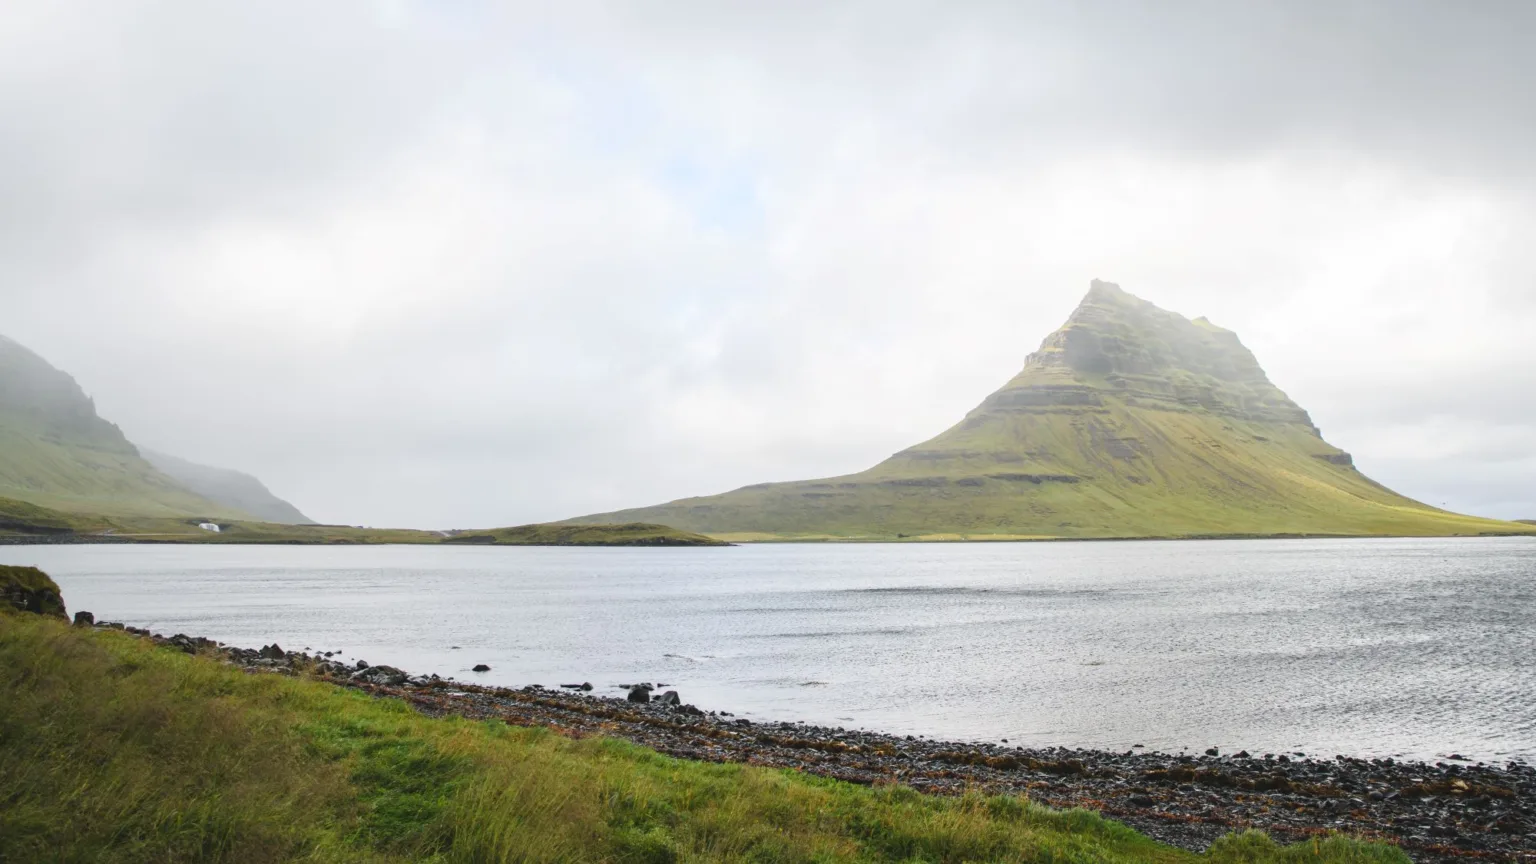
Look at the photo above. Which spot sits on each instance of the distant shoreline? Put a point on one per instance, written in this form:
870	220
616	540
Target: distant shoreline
187	540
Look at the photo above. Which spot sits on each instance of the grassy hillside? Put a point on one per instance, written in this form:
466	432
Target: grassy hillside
20	517
1128	422
23	522
114	750
230	488
56	452
631	534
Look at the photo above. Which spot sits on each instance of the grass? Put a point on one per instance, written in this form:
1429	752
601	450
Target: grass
628	534
31	590
22	519
114	750
65	474
1192	474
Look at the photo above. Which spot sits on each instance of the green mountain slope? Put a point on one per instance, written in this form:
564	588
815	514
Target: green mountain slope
228	487
56	452
1129	421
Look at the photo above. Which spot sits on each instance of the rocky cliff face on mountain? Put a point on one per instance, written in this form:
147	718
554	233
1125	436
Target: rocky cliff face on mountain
1129	421
39	400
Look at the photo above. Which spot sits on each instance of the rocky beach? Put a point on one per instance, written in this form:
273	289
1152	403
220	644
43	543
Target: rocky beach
1451	810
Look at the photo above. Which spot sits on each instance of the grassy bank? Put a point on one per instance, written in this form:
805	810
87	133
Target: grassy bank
112	749
21	521
556	534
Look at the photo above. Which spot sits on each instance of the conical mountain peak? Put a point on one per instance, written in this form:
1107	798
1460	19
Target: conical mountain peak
1098	288
1118	345
1129	421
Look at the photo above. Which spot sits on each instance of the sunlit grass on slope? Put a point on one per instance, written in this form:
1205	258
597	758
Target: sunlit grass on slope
113	750
626	534
1193	474
64	474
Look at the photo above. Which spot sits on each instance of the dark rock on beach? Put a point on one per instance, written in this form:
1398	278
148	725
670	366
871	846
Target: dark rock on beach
84	619
387	675
639	693
28	589
481	667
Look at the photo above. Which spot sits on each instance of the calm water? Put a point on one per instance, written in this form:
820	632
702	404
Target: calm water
1378	647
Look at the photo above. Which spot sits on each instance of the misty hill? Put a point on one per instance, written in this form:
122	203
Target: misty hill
56	452
1129	421
228	487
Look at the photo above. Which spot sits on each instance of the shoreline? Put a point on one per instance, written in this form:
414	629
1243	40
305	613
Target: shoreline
1440	812
72	539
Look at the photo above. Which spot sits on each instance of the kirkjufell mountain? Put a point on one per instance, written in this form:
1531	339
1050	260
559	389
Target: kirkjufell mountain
1130	421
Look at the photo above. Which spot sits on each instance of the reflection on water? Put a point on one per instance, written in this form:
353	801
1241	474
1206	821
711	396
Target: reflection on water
1368	647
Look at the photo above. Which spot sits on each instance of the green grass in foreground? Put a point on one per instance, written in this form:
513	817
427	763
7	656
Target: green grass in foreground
114	750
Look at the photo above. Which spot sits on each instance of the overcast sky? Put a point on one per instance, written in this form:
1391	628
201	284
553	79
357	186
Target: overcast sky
467	264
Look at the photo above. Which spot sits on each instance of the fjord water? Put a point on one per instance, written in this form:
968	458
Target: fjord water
1416	648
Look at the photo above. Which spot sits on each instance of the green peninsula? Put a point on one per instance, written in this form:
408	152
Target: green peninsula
630	534
22	522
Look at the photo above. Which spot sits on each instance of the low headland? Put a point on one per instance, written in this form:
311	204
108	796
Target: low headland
629	534
182	748
22	522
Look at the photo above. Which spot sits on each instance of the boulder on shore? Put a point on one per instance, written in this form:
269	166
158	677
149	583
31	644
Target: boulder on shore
186	644
481	667
84	619
380	675
28	589
639	693
670	698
